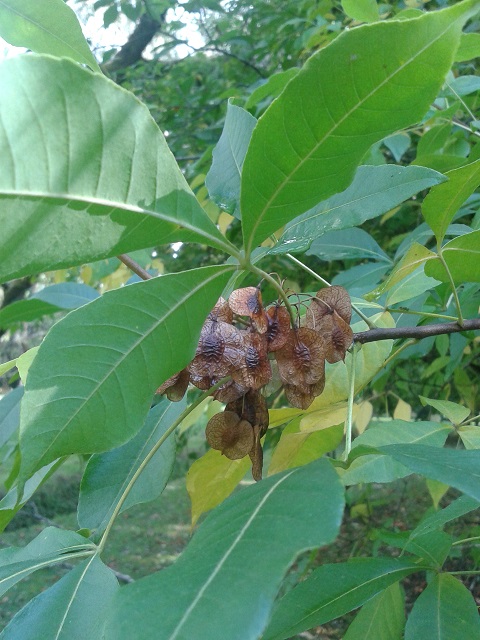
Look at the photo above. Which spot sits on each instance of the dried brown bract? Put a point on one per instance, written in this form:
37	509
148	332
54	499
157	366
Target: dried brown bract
175	387
253	369
230	435
248	302
278	329
301	361
219	350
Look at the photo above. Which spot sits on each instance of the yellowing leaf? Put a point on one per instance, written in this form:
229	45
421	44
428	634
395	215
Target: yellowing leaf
403	411
211	479
24	362
364	415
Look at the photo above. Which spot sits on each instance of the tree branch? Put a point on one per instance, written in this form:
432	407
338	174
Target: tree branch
134	266
372	335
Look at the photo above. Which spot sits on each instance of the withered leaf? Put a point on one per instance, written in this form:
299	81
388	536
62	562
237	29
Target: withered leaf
253	369
230	435
248	302
301	361
278	329
174	388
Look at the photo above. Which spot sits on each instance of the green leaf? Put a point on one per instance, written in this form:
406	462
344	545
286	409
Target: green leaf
373	192
332	591
10	414
459	469
24	362
297	510
444	610
397	145
361	10
211	479
74	608
454	412
67	295
415	257
6	366
85	170
470	435
433	547
223	179
271	88
51	545
107	475
434	139
381	468
456	509
101	364
469	47
444	200
411	286
382	617
49	26
385	77
462	256
348	244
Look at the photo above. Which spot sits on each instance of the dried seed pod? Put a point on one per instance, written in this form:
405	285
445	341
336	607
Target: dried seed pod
253	369
221	312
303	396
326	302
230	435
256	454
219	350
229	392
301	361
341	337
248	302
253	408
278	329
174	388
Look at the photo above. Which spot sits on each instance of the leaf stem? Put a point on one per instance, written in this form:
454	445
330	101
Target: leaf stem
457	542
465	573
420	313
266	276
452	284
149	456
351	396
134	266
303	266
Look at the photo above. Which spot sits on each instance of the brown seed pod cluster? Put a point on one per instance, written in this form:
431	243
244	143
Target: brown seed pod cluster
241	339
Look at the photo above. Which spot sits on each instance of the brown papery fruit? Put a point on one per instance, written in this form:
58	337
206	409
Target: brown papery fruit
175	387
278	329
230	435
301	361
253	370
220	348
302	397
248	302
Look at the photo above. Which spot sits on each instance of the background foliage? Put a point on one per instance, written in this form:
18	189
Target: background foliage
326	142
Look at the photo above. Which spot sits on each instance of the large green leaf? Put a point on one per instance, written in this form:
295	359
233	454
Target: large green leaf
368	83
74	608
51	545
347	244
107	474
444	200
457	468
382	617
239	556
223	179
373	192
85	173
10	414
456	509
462	256
333	590
445	610
91	384
382	468
49	26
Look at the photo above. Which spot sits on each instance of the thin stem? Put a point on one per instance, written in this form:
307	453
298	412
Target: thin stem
457	542
266	276
149	456
420	313
474	419
465	573
452	284
361	315
351	396
404	346
134	266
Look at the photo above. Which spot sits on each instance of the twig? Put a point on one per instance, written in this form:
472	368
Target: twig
134	266
372	335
